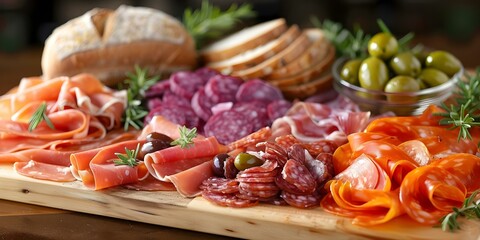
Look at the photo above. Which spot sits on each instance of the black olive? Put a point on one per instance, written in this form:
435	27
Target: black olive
219	164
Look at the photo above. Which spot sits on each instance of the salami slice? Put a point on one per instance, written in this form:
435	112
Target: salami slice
297	174
228	126
252	139
320	167
257	89
255	112
274	152
220	185
287	187
277	109
252	187
230	171
320	146
170	113
266	167
186	83
202	105
206	73
287	140
297	153
158	89
222	88
152	103
301	201
261	194
228	200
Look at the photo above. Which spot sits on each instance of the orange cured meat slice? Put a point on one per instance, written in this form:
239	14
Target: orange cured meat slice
428	193
466	167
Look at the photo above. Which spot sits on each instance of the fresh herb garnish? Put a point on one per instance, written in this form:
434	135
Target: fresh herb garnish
348	44
209	22
470	209
128	158
186	137
137	84
38	116
464	113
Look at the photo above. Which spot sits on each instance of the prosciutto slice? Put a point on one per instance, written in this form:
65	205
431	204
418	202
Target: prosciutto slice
44	171
310	122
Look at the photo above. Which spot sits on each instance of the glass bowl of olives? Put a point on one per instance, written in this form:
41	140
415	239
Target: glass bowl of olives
383	91
392	78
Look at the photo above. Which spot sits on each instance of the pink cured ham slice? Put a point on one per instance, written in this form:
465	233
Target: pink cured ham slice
38	155
161	171
258	90
44	171
228	126
222	88
150	184
188	182
365	173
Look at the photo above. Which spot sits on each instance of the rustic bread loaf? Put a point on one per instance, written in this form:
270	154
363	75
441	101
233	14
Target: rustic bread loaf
109	43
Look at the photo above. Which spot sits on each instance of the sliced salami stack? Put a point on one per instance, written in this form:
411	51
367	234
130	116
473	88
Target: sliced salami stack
219	105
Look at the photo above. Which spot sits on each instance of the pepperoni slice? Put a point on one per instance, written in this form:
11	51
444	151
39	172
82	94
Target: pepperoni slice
298	175
417	151
428	193
465	167
228	200
301	201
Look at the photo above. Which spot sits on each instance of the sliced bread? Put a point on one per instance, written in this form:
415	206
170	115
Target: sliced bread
316	52
257	55
245	39
305	90
287	55
317	68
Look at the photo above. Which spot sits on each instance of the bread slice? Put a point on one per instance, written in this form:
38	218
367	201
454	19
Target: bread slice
245	39
317	68
257	55
308	89
316	52
281	59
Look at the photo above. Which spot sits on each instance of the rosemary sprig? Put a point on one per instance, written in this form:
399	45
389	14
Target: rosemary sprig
464	113
128	158
209	22
38	116
137	84
348	44
186	137
470	209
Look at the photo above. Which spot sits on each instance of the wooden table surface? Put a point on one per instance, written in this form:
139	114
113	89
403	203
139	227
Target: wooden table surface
25	221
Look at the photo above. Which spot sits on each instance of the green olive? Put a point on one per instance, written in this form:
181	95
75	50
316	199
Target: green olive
373	74
244	160
432	77
421	84
405	63
349	71
400	84
383	45
443	61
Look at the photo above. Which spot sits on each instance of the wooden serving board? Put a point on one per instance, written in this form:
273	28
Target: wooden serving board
170	209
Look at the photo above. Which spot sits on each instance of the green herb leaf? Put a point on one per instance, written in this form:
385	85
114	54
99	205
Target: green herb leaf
463	114
209	22
128	158
470	210
348	44
137	84
38	116
186	137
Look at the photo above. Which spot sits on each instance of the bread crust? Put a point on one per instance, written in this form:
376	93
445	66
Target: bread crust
109	48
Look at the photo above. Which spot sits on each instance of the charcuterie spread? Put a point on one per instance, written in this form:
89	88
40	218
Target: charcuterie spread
258	124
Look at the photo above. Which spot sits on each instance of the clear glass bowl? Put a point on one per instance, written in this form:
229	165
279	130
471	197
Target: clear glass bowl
402	104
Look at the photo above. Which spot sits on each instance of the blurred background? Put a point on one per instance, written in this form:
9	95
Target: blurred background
450	25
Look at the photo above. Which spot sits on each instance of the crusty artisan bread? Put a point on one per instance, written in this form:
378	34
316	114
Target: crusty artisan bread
243	40
257	55
316	52
310	88
110	43
318	67
287	55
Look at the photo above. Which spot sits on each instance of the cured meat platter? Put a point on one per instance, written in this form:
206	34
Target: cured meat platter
168	208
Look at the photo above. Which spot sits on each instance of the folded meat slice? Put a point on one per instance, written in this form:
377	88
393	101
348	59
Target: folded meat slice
188	182
175	159
44	171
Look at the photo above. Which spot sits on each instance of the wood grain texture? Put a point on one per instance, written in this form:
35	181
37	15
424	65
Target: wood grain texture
172	210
